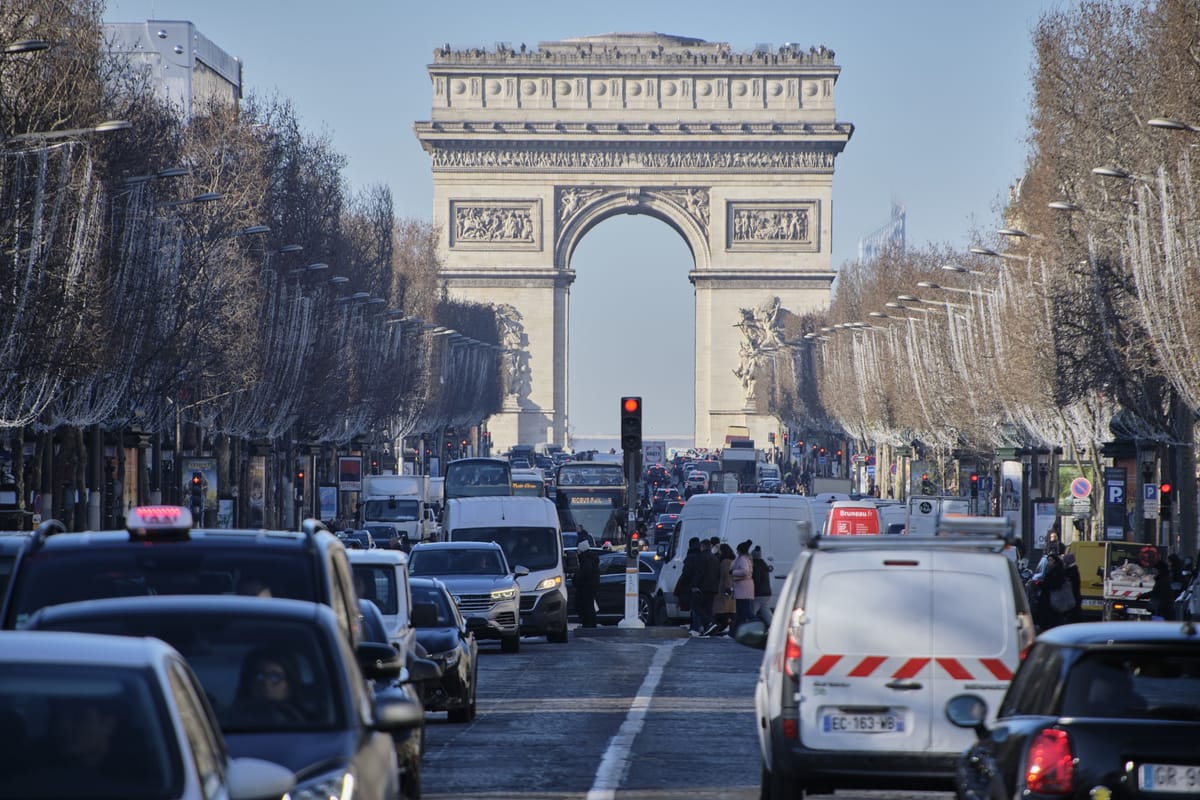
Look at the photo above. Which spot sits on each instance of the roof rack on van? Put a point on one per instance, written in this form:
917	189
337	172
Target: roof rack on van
310	528
44	530
992	533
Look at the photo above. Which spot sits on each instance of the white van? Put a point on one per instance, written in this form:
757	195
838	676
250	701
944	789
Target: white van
871	637
768	520
527	529
381	576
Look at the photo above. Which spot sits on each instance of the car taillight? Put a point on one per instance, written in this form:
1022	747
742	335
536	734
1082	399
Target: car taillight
791	729
1050	768
791	656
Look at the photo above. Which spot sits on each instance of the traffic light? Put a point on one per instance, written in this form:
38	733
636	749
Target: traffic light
785	440
299	476
974	484
374	466
633	546
631	424
926	486
839	452
196	494
1164	501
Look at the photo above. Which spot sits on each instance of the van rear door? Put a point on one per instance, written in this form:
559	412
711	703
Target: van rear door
975	637
866	653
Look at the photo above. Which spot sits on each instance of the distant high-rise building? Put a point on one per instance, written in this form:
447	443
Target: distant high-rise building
890	235
185	67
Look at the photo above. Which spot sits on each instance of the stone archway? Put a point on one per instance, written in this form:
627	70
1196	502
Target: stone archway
735	151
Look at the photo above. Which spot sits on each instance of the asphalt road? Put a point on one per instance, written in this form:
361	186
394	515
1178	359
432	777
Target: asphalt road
611	715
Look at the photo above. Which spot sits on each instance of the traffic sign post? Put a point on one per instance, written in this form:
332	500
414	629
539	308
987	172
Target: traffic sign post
1150	501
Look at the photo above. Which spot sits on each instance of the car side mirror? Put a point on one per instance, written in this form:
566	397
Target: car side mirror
1099	572
968	711
520	571
378	661
752	634
422	670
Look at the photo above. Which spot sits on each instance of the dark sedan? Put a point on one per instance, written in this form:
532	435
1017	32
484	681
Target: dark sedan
1097	710
611	594
664	526
284	683
443	635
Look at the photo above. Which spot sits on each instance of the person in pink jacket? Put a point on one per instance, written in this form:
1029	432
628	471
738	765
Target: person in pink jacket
743	584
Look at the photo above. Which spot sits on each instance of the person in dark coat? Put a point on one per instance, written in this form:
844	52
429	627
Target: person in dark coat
1054	578
690	589
710	580
1071	568
587	583
762	585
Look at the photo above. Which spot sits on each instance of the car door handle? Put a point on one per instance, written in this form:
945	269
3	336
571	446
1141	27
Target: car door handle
904	686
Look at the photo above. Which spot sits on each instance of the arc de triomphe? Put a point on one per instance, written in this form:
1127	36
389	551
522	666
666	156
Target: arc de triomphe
735	151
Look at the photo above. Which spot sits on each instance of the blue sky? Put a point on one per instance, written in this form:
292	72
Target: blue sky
938	93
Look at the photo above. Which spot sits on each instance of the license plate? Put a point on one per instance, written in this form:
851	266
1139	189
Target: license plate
1176	778
1092	603
862	723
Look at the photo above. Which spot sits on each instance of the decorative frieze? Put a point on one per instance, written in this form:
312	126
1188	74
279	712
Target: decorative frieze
496	224
680	158
773	225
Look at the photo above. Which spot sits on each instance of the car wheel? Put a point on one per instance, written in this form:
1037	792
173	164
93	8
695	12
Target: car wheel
557	637
774	787
645	609
510	644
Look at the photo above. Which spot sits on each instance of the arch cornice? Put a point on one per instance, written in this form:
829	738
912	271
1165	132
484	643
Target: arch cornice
671	205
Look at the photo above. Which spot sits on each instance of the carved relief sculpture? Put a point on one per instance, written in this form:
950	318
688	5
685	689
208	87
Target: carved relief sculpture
694	201
517	378
771	225
762	334
573	198
492	224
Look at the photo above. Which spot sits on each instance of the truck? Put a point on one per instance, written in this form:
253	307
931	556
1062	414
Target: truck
741	458
653	453
831	486
395	508
926	512
768	478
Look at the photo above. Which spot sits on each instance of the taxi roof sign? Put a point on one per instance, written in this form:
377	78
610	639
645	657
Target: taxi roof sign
147	519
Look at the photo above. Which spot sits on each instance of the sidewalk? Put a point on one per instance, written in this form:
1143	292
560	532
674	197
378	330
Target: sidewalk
648	632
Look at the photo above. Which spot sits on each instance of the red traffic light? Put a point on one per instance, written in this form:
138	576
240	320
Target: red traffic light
1164	489
195	480
974	477
631	405
299	474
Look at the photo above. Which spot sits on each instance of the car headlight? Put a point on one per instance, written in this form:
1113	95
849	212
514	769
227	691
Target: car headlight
548	583
338	785
449	658
504	594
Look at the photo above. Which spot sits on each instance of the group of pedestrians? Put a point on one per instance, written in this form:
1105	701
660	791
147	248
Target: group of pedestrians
723	588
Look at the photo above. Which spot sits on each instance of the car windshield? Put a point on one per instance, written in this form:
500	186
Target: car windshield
85	731
461	561
393	509
50	577
1136	684
260	673
532	548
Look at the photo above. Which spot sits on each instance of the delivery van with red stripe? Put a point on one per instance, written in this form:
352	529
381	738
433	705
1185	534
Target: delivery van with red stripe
872	636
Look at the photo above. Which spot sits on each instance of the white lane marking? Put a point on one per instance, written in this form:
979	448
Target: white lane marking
614	765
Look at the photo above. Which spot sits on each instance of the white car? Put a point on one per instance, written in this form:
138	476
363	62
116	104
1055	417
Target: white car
86	715
697	481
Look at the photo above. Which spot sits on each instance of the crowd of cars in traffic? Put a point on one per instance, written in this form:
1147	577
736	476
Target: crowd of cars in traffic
891	662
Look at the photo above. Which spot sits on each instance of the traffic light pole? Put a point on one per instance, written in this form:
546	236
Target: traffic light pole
632	542
631	445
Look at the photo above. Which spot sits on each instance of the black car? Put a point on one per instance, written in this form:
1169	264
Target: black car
283	681
1096	710
443	635
664	526
11	543
410	742
160	553
611	594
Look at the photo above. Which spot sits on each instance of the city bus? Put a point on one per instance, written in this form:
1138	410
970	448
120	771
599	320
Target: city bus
592	494
476	477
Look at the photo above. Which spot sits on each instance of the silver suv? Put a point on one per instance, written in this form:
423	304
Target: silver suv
483	585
